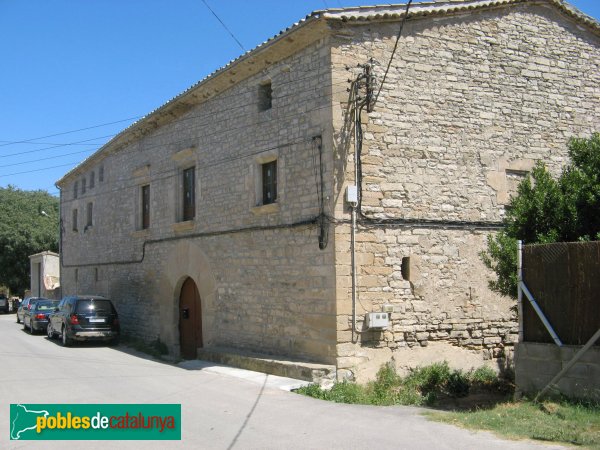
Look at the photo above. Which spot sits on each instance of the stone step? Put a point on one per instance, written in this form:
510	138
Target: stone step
322	374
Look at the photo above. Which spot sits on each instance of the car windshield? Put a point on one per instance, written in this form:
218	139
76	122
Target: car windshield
94	307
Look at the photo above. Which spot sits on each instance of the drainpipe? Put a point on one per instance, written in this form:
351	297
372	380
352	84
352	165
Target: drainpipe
519	289
353	210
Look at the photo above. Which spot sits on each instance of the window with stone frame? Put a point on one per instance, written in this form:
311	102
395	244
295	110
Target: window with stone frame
145	209
74	220
83	185
269	182
189	194
75	189
101	174
265	96
90	215
92	179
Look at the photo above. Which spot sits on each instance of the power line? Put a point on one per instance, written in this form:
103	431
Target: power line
48	157
56	146
38	170
224	110
393	52
196	126
42	143
68	132
224	26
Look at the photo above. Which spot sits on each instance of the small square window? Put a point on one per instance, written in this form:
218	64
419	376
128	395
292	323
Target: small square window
269	182
265	96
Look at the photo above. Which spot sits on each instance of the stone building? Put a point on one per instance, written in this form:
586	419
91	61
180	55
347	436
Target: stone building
45	275
221	220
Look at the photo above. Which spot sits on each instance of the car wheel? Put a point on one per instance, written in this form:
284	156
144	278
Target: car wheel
66	340
24	325
49	331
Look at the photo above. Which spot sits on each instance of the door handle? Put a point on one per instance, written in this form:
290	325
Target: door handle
185	313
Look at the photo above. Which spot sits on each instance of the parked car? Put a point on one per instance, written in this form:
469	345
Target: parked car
84	318
36	318
26	304
15	303
4	305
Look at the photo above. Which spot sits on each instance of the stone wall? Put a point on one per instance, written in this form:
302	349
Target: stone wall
470	103
264	286
537	364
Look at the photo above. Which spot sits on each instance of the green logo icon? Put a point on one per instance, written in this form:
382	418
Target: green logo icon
95	422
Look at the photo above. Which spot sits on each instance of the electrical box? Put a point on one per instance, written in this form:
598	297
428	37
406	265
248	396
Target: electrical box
377	320
351	194
387	308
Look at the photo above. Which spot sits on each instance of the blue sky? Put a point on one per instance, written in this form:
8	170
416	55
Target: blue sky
72	64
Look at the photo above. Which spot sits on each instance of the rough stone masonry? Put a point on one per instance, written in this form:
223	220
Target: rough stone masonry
477	92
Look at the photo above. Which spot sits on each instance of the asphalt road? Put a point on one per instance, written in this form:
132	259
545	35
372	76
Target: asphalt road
222	408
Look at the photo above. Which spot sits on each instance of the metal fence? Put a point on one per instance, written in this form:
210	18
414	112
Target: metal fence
564	278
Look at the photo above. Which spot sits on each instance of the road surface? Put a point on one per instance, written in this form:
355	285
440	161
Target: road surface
221	408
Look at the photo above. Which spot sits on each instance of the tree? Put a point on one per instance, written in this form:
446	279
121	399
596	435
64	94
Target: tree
546	210
28	225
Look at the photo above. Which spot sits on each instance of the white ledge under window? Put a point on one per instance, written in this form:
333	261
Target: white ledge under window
187	225
265	209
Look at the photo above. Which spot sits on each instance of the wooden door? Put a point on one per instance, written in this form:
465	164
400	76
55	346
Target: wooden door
190	320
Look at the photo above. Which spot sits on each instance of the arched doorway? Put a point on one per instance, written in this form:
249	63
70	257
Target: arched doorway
190	320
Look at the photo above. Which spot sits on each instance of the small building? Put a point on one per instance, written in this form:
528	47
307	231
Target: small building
326	195
45	275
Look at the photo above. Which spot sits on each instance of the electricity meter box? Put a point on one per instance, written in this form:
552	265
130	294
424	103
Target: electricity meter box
377	320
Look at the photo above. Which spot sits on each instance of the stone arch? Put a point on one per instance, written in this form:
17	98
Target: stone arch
182	260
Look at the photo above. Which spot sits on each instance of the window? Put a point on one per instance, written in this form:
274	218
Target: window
265	96
269	182
83	185
145	207
101	174
189	194
90	213
92	179
75	220
75	189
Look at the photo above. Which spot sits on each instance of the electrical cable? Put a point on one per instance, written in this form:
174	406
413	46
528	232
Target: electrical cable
393	52
224	26
67	132
209	120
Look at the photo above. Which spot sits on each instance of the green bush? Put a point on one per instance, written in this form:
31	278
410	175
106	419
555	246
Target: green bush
483	375
423	386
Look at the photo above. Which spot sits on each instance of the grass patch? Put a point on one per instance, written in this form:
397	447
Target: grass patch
423	386
564	421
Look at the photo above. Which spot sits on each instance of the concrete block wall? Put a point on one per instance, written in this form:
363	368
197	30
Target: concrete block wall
537	364
470	103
